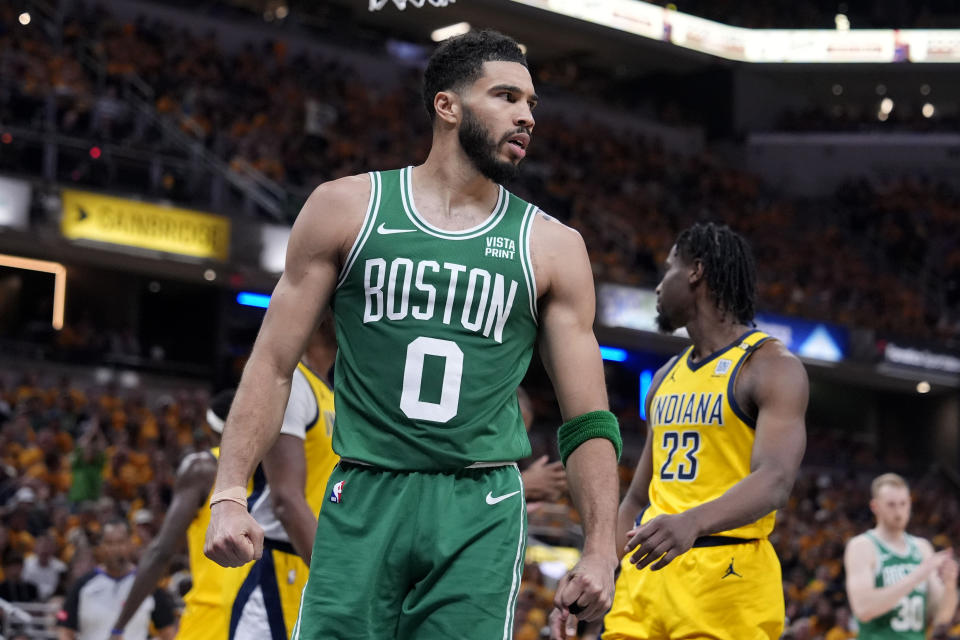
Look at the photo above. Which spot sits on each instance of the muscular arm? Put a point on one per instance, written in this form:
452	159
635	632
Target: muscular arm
326	226
286	470
636	498
302	292
778	386
194	479
572	358
638	493
866	600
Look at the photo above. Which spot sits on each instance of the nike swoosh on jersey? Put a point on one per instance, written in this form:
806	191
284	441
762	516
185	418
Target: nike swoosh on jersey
492	500
382	230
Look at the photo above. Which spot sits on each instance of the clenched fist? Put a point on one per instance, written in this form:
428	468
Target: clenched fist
233	538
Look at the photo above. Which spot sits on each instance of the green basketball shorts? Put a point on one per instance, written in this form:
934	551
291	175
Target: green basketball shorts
416	556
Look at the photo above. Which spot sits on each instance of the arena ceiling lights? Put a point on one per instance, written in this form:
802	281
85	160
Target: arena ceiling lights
441	34
762	45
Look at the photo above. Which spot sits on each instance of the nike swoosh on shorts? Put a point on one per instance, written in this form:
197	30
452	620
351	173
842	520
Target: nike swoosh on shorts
492	500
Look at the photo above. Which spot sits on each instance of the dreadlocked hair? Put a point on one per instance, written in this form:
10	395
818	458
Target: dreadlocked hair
728	266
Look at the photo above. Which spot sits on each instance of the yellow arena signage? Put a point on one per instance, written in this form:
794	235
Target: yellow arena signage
89	216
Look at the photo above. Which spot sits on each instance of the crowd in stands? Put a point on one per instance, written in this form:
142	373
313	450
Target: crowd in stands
302	121
880	256
866	118
829	506
53	85
72	457
838	259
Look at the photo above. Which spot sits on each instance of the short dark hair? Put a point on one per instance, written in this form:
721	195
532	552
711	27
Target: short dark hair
458	61
728	266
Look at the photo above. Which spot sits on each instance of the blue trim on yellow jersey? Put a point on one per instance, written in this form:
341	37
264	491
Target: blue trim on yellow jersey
271	598
246	589
315	421
732	381
720	541
702	541
262	574
316	403
652	391
279	545
639	518
716	354
259	484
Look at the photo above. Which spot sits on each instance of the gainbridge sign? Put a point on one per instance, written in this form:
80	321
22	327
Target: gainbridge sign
90	216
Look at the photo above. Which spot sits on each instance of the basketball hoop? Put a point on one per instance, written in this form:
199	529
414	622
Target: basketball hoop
376	5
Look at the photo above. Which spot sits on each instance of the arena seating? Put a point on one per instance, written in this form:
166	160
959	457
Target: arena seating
57	434
622	191
879	256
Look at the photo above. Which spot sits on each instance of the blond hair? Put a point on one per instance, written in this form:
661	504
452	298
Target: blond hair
887	480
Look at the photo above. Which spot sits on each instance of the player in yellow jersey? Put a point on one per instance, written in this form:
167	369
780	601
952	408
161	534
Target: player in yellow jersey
297	467
260	600
206	614
725	438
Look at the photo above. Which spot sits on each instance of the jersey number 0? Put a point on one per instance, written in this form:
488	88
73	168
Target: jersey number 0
410	403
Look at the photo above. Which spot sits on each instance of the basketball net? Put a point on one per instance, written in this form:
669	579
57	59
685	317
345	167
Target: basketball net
376	5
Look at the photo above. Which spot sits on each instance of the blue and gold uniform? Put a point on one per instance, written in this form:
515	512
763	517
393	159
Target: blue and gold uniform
268	601
728	587
317	444
206	613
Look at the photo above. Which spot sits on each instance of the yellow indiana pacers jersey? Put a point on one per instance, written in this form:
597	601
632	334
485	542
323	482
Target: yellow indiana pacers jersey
318	445
702	441
207	606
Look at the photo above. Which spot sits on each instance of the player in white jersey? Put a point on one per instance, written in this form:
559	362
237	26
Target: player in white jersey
296	470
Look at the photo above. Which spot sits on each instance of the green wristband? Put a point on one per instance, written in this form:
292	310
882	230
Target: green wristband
595	424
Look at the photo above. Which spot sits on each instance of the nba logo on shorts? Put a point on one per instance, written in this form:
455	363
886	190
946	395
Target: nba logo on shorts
337	492
723	365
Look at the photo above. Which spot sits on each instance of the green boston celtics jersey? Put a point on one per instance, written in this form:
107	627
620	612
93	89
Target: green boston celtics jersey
436	329
908	619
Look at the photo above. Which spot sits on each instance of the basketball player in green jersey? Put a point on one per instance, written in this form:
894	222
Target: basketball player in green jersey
441	282
897	586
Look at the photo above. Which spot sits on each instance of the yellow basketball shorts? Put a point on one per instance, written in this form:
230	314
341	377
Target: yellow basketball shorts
206	615
725	592
204	621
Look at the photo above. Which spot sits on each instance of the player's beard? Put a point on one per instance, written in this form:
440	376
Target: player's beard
665	324
481	148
